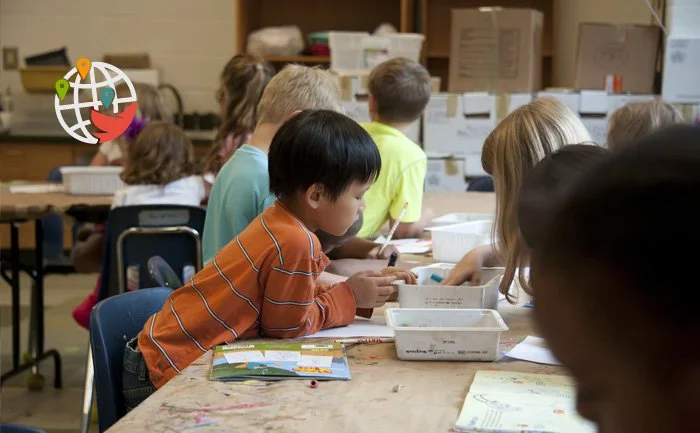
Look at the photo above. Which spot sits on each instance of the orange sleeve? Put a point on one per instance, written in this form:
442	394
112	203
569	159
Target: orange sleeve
295	306
362	312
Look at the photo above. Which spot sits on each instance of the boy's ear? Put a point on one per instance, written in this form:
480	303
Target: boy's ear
290	115
372	103
314	194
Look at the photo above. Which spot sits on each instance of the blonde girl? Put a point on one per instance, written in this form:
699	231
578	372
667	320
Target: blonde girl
151	109
635	120
520	141
242	83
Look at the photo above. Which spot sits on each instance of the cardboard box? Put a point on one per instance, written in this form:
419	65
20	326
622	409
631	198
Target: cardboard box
458	123
358	110
515	100
445	173
629	51
496	50
681	83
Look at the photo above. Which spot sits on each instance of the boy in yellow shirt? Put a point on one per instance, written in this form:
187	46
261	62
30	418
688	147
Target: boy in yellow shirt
399	90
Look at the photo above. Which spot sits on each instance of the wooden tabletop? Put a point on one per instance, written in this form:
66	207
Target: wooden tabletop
33	206
430	397
384	395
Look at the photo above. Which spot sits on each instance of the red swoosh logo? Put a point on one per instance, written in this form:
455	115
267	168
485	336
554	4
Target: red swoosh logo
113	126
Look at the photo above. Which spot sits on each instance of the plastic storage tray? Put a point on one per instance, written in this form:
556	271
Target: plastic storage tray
459	218
91	180
360	51
446	335
430	294
452	242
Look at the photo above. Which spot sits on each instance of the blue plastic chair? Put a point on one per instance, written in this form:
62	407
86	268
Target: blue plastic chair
135	234
17	428
110	328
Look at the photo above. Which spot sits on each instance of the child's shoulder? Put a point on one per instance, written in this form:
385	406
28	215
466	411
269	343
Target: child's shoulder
289	235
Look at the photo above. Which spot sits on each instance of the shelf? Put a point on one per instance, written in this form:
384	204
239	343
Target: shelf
547	53
298	59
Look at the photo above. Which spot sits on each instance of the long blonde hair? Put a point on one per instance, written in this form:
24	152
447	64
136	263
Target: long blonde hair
520	141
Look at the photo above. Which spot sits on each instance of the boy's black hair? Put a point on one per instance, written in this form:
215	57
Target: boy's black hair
321	146
546	185
631	229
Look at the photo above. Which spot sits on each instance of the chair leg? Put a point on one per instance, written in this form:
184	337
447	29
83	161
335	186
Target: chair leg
88	392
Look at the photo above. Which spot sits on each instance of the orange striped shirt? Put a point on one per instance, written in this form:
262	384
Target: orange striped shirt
263	283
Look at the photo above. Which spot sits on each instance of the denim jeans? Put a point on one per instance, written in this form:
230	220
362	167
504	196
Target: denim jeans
136	386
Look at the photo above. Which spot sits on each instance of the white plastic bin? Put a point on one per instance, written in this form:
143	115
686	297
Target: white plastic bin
451	243
430	294
91	180
406	45
458	218
446	335
347	50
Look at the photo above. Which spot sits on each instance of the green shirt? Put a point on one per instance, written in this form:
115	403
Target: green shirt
240	193
401	179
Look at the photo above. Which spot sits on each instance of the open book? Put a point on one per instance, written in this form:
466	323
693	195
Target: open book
505	402
277	361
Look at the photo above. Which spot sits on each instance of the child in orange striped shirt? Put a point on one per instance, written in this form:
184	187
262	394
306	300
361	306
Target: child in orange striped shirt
264	282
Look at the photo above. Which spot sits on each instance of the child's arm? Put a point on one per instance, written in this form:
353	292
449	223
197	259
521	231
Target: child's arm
359	248
292	308
87	254
99	160
409	189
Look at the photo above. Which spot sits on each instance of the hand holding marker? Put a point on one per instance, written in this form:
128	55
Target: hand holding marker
393	228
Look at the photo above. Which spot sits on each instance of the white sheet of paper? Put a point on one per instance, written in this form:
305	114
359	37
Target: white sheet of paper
533	349
247	356
37	189
374	327
282	356
408	246
315	361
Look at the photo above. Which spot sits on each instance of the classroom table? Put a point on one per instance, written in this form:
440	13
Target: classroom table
384	395
20	208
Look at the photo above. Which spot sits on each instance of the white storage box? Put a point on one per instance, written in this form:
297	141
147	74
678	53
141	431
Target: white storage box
359	51
458	218
681	80
91	180
428	293
426	334
358	110
451	243
445	173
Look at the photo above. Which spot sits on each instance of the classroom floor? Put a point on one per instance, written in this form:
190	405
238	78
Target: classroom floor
56	411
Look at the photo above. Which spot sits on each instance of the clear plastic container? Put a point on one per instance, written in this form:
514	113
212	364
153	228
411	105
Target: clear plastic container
446	335
428	293
91	180
452	242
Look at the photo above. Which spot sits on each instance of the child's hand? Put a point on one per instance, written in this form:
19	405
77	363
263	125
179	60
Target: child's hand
85	231
372	289
374	253
408	277
468	269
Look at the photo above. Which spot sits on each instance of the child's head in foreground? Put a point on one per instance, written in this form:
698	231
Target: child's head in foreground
297	88
616	290
399	90
321	163
520	141
546	186
636	120
161	154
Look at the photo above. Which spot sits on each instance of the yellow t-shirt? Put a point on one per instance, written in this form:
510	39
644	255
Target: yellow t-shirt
401	179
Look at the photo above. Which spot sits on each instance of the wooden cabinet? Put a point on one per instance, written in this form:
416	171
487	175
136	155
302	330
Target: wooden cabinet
320	15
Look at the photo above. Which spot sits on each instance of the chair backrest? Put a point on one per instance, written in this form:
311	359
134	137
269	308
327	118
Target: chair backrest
113	322
481	184
17	428
136	233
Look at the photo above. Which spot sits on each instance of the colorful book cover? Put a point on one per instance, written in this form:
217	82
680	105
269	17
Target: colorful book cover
509	402
278	361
